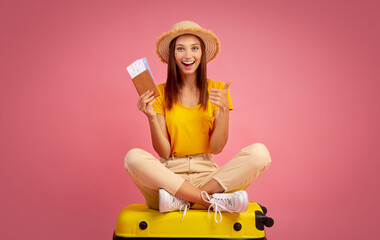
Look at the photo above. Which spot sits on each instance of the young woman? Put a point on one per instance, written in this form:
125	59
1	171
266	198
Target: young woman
188	123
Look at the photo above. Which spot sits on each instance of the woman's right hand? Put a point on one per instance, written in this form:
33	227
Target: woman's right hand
145	104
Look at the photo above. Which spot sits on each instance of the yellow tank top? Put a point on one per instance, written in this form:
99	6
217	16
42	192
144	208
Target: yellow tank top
189	128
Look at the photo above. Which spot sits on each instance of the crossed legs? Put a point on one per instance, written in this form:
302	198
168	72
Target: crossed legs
149	174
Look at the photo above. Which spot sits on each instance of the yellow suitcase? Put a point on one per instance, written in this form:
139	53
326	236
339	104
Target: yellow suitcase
138	222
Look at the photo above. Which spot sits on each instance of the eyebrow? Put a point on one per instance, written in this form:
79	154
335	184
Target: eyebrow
191	44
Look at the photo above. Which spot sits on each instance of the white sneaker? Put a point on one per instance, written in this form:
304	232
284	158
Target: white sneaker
170	203
236	202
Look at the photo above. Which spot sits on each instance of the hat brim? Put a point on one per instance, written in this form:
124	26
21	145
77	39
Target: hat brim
211	41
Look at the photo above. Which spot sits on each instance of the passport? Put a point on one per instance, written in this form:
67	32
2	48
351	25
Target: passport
142	77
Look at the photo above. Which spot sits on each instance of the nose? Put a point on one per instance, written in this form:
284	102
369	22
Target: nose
188	54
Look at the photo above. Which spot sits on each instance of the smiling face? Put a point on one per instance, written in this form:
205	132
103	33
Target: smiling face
187	54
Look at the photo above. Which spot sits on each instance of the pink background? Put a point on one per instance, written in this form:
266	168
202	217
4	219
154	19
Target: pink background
306	84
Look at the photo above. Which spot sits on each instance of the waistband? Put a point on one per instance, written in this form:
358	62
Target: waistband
203	155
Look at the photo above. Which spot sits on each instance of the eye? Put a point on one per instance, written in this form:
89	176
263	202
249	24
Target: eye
180	49
195	48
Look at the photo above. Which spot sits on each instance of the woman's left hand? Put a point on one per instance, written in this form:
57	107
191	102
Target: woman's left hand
219	97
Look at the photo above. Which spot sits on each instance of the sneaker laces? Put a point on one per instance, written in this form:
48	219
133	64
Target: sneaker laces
186	207
216	205
178	203
225	200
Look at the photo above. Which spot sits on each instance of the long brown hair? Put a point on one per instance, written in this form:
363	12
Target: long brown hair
174	81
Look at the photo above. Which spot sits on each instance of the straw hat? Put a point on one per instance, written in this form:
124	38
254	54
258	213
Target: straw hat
211	41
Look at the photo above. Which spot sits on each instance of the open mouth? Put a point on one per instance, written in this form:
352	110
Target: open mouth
188	64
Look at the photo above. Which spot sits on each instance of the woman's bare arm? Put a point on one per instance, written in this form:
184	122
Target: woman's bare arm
219	136
159	134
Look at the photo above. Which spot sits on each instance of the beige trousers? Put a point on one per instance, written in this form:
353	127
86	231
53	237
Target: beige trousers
150	174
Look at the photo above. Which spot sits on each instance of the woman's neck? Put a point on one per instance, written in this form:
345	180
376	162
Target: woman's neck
189	81
189	92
